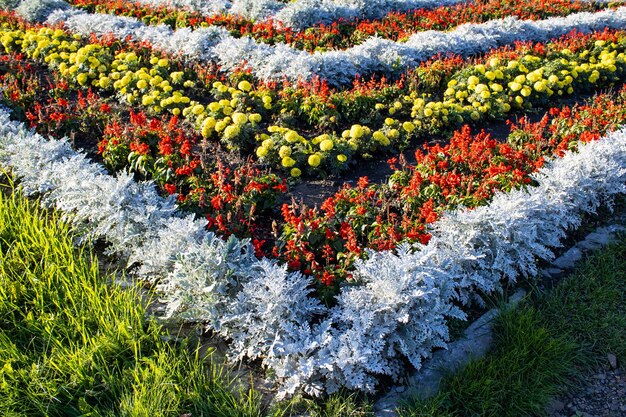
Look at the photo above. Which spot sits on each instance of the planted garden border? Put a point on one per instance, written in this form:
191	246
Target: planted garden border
400	306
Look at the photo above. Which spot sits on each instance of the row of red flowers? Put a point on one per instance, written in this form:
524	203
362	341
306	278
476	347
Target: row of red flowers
344	34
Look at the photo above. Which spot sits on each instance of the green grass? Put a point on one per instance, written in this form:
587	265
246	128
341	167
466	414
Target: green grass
72	344
342	404
542	346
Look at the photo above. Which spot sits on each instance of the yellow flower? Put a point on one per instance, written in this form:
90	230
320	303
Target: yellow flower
239	118
82	78
495	87
104	82
207	126
342	158
288	162
255	118
356	131
428	112
408	126
292	137
539	86
494	62
326	145
162	62
314	160
284	151
244	86
261	151
221	125
295	172
379	136
231	131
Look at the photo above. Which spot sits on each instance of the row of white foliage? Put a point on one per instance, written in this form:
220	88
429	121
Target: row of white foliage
375	55
302	14
399	306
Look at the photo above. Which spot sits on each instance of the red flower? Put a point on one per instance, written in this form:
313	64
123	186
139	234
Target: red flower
170	188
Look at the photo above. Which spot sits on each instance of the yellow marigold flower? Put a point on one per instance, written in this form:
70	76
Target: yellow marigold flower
539	86
314	160
261	151
473	80
496	88
326	145
255	118
239	118
342	158
295	172
104	82
288	162
284	151
244	86
292	137
82	78
408	127
221	125
231	131
356	131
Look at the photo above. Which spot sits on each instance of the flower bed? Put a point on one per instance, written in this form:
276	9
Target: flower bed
391	262
241	115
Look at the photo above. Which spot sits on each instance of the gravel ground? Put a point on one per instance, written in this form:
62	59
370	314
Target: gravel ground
602	394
